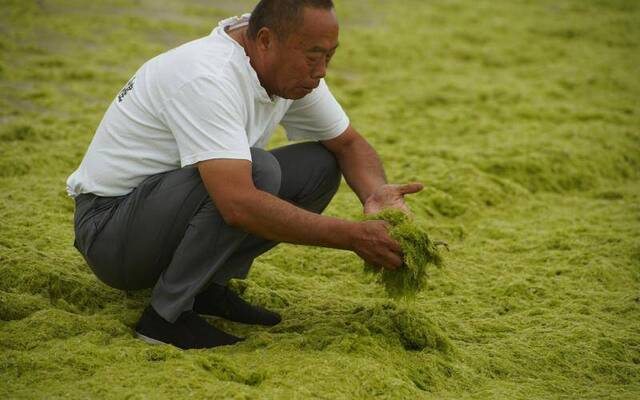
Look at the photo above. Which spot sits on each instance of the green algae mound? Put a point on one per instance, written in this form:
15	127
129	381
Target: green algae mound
419	253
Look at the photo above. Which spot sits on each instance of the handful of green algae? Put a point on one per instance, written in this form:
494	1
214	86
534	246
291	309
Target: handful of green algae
419	252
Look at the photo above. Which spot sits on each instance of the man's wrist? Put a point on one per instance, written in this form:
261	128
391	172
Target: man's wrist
347	232
371	194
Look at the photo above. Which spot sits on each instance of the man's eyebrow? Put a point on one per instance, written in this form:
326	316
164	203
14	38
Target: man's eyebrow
322	49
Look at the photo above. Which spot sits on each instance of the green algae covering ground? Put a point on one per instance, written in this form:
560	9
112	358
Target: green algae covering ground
522	119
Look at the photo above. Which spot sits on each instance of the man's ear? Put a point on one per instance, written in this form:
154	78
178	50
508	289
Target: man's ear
265	39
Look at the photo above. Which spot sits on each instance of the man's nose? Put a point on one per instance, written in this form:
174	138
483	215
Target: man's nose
320	70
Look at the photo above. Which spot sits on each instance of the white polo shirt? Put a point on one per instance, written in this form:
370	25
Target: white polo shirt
199	101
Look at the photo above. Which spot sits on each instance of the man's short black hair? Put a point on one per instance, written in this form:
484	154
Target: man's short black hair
281	16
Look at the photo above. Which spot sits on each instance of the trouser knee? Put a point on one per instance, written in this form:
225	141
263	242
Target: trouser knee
329	164
325	178
265	171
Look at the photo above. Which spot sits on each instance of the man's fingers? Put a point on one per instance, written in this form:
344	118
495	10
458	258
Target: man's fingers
394	261
395	247
410	188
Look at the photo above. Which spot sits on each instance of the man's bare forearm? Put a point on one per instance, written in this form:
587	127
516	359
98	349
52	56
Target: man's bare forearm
241	204
272	218
362	168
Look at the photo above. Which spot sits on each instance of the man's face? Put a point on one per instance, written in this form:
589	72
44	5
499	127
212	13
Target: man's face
297	64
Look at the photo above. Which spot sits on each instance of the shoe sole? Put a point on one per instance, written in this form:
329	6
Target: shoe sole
212	316
238	322
152	341
148	340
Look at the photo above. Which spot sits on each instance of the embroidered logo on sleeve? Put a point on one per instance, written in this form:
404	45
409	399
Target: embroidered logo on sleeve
126	89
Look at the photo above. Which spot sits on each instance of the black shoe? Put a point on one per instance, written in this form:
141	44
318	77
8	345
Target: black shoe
220	301
189	331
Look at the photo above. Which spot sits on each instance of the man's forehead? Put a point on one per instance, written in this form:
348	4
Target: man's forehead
318	30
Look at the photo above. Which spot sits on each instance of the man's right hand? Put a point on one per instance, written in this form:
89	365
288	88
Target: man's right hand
374	245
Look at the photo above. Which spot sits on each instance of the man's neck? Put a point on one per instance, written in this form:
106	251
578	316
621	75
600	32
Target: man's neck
239	34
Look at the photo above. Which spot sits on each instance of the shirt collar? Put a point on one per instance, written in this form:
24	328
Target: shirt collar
242	20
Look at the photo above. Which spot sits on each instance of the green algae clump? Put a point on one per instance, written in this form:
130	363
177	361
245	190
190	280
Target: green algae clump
419	252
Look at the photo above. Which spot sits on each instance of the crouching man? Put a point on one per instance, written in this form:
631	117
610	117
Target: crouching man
176	192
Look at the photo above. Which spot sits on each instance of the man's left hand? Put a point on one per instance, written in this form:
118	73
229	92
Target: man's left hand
390	196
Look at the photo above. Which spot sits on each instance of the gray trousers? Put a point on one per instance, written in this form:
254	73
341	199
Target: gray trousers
168	234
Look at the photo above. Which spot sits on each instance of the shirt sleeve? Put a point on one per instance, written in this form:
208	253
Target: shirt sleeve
206	118
317	116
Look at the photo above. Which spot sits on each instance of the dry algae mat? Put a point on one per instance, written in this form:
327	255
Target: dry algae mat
521	118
